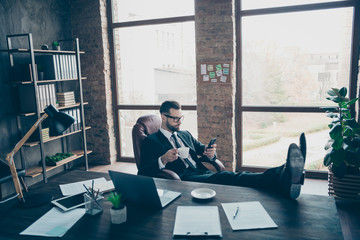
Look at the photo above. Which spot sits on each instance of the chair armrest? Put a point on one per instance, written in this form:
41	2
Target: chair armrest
216	164
167	174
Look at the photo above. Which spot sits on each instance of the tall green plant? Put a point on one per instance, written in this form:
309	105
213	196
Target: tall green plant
343	147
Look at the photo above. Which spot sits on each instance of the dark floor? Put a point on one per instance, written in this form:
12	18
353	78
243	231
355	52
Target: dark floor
311	186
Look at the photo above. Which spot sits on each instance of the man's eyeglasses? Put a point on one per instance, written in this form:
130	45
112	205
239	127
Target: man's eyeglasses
175	119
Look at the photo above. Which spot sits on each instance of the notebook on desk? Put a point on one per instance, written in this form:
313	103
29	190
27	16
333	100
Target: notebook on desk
141	190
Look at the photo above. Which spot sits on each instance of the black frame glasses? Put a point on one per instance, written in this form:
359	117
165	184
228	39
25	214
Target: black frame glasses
175	119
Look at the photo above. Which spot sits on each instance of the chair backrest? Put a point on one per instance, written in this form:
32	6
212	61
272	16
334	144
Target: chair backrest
145	125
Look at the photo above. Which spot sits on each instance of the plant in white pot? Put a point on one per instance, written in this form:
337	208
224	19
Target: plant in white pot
118	210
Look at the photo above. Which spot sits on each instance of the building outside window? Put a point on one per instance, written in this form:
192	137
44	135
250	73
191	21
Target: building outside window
292	53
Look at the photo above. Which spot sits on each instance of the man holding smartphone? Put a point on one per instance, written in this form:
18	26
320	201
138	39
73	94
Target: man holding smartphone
160	150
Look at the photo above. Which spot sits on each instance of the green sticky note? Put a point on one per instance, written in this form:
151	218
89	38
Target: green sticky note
212	74
218	67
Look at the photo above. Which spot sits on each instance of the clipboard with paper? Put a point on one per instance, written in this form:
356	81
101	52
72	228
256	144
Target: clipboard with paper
247	215
197	221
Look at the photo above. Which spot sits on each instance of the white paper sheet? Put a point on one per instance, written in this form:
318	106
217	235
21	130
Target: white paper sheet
251	215
197	221
78	187
104	187
54	223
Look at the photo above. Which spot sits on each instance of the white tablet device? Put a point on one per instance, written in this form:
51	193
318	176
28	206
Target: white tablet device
69	202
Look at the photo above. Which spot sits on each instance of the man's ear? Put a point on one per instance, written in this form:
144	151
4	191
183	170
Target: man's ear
163	117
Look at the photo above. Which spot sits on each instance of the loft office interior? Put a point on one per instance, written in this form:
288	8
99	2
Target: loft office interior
283	57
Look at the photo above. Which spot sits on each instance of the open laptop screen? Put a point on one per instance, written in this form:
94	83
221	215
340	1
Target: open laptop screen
140	189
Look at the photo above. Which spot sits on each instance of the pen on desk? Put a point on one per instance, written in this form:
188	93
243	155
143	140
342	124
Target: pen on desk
92	188
236	212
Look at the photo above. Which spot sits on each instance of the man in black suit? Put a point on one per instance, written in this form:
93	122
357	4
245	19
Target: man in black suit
160	150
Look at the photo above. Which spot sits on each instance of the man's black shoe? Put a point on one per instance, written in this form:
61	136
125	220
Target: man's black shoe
302	145
293	173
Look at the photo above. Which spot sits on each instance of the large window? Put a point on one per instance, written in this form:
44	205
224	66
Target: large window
290	56
154	53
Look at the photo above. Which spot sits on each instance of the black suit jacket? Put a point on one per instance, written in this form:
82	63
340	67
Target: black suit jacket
156	145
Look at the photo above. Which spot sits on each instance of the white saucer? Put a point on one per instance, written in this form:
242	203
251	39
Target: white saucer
203	193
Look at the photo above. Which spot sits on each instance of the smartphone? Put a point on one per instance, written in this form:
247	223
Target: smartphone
212	141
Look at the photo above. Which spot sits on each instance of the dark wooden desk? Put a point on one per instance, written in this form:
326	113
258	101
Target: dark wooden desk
310	217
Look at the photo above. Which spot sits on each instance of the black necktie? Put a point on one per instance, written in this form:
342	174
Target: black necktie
177	144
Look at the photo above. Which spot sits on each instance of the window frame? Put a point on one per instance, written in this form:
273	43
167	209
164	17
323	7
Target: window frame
118	107
240	109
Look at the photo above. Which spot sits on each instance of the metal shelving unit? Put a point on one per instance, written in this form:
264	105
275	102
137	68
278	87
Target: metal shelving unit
43	169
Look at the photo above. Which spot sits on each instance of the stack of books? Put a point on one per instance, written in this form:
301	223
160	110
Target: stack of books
65	98
45	134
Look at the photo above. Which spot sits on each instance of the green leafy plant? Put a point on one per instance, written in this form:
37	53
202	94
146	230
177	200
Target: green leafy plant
343	147
51	160
116	199
55	44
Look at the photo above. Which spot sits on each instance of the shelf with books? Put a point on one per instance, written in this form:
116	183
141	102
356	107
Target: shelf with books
59	108
26	50
52	138
37	170
46	81
38	75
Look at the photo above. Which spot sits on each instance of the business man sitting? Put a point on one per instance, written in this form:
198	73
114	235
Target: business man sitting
160	150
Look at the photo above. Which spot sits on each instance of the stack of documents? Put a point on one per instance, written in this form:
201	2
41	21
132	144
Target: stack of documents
45	134
54	223
78	187
65	98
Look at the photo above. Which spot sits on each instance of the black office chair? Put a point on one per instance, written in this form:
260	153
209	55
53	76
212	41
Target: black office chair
5	176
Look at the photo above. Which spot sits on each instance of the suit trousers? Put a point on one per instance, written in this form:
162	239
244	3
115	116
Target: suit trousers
267	180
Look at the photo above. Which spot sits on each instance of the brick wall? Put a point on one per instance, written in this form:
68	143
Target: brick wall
214	42
89	24
215	102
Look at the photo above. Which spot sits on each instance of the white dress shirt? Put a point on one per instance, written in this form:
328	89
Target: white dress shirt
168	135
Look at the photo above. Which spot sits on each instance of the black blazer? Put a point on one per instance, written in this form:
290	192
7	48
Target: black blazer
156	145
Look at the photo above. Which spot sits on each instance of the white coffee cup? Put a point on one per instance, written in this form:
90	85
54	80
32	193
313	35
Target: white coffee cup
183	152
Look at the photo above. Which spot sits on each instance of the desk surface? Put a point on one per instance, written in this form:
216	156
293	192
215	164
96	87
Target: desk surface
310	217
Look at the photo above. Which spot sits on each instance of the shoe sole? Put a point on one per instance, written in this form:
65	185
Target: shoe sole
296	165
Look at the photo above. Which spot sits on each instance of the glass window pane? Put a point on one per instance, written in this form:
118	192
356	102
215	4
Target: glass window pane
293	59
125	10
128	119
256	4
267	136
156	63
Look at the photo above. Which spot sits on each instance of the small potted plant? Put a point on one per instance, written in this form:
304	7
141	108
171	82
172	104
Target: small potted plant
118	210
56	46
343	147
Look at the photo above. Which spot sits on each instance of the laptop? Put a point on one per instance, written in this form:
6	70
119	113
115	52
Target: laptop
141	190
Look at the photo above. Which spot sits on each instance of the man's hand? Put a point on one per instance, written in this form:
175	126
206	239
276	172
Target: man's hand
210	152
170	156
